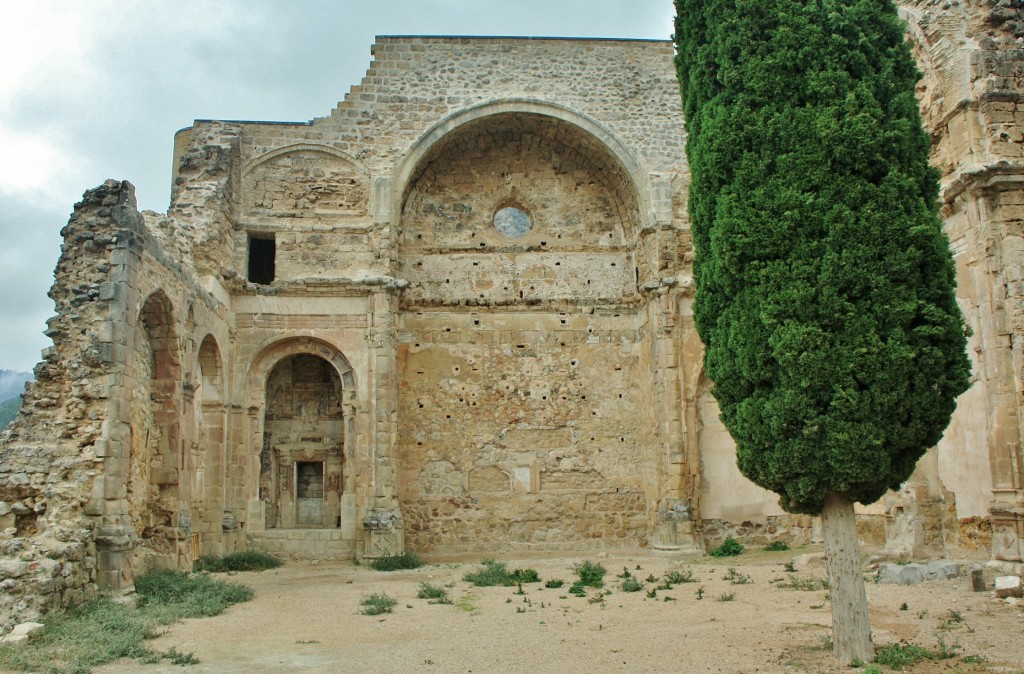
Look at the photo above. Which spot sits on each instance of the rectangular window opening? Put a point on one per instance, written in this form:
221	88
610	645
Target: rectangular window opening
262	253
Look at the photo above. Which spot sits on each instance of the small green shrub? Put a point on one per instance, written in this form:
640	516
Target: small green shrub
676	576
735	577
777	546
632	584
726	596
901	655
591	574
377	603
804	584
249	560
578	589
525	576
399	562
492	573
437	594
730	548
554	583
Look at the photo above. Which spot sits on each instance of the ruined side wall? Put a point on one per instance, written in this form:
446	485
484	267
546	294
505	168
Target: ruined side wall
971	102
74	458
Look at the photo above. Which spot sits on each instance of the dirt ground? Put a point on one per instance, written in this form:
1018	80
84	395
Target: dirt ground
306	617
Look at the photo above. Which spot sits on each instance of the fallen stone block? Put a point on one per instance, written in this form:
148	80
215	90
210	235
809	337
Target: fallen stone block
1008	586
809	558
16	640
26	628
912	574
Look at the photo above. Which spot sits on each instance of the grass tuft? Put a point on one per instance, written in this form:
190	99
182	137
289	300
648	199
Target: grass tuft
399	562
250	560
101	630
730	548
493	573
377	603
632	584
591	574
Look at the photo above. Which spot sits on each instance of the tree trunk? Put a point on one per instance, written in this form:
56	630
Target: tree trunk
851	628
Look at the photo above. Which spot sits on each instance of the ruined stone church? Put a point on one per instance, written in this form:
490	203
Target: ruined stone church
454	316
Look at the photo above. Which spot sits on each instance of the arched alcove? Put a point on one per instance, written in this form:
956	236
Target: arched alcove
302	395
155	456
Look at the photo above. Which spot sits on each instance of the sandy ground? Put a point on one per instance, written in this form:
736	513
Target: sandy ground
306	618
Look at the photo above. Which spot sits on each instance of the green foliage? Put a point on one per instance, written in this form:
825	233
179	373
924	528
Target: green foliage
250	560
900	655
591	574
9	410
632	584
435	593
186	595
578	589
804	584
676	576
554	583
377	603
399	562
777	546
493	573
735	577
101	630
825	286
525	576
730	548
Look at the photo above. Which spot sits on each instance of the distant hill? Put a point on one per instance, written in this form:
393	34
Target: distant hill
9	410
12	383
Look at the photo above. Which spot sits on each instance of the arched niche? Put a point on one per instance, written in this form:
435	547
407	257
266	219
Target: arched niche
208	451
573	185
155	457
302	409
305	180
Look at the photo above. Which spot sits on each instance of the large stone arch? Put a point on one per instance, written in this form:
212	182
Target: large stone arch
618	151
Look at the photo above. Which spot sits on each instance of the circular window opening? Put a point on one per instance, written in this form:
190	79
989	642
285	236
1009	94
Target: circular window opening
512	222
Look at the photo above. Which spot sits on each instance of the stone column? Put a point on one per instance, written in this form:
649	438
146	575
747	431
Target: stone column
383	519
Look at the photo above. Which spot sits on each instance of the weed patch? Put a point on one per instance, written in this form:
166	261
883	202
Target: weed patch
632	584
493	573
591	574
435	593
399	562
676	576
101	631
249	560
730	548
777	546
377	603
804	584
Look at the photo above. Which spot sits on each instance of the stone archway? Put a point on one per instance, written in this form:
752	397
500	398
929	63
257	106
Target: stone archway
301	473
302	454
155	459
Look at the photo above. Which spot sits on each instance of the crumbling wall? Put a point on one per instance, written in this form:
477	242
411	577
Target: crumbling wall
971	102
51	456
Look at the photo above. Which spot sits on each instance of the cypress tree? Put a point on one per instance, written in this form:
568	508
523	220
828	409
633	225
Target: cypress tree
825	285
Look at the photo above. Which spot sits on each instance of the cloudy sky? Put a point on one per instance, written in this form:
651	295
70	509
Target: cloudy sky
95	89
